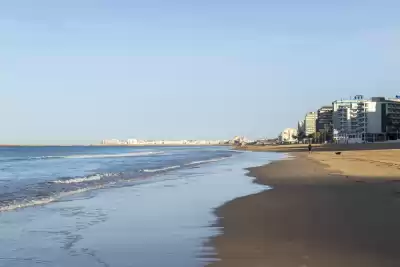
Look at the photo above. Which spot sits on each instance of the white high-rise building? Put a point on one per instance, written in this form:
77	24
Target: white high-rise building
378	119
310	123
288	136
300	126
344	116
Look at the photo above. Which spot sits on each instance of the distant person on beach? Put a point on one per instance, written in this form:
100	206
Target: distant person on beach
309	148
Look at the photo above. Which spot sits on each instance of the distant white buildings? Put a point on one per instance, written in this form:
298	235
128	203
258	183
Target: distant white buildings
289	135
240	140
111	142
136	142
132	141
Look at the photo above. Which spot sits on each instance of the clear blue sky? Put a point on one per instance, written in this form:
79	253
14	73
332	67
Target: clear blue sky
78	71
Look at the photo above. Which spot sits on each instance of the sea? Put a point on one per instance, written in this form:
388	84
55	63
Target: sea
117	206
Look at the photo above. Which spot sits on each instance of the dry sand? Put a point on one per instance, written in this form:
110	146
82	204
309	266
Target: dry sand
344	211
324	147
363	164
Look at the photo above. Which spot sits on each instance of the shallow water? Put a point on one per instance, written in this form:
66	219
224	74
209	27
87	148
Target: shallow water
36	175
162	221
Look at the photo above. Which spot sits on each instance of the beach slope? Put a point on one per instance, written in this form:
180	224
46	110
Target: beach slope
314	216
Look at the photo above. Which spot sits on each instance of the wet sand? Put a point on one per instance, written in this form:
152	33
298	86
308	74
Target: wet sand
314	216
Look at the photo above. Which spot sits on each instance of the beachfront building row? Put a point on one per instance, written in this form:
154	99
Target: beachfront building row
329	120
354	120
366	120
378	119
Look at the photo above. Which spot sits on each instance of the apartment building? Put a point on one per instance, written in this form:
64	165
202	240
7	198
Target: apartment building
344	116
378	119
300	126
288	136
324	120
310	123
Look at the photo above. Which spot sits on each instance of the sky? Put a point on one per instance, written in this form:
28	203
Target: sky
78	71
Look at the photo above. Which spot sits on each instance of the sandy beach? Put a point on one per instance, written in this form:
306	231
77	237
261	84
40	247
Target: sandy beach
324	210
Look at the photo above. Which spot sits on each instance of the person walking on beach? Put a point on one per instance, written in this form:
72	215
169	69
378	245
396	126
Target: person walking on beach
309	148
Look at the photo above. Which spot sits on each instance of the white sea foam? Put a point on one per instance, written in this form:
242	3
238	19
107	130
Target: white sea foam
43	201
42	157
188	164
162	169
204	161
94	177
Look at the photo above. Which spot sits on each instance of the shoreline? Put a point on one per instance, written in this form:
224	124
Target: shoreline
313	216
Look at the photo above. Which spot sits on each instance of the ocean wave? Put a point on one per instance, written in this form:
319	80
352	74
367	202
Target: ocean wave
51	191
162	169
89	156
134	154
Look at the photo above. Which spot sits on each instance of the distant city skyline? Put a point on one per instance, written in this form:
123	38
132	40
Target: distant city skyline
133	142
77	72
